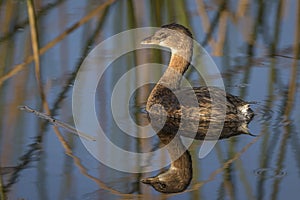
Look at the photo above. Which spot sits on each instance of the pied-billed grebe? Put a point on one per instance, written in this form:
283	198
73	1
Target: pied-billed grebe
175	100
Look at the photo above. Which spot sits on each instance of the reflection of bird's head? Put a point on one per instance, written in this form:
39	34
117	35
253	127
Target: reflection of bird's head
178	177
173	180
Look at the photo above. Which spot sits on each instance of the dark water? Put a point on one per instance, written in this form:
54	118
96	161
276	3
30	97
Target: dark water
255	47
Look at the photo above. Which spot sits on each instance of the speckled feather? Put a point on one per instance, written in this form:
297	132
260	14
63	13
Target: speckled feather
183	101
196	104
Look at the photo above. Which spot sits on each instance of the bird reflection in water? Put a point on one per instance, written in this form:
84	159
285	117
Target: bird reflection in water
179	175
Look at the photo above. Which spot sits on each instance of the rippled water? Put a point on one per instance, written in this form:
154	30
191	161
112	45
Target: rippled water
253	47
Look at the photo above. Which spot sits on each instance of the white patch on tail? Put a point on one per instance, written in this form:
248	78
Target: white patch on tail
244	109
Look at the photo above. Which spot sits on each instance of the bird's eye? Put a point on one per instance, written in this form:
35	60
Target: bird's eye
162	35
162	185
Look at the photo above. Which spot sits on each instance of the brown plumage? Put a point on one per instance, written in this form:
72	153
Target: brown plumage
167	98
189	111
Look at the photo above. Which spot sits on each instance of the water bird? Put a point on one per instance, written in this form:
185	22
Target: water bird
168	98
176	111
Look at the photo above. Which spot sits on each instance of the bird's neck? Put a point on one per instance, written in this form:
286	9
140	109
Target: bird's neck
178	64
180	157
171	79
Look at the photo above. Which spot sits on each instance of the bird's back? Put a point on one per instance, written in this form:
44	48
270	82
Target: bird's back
200	103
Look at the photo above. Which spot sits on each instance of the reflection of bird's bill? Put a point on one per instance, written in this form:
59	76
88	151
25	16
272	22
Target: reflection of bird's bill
149	180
